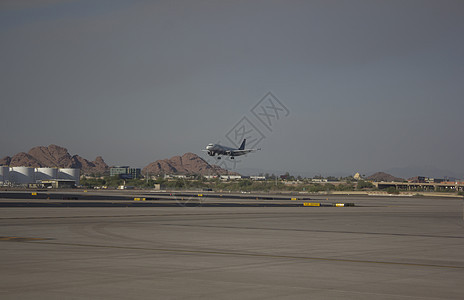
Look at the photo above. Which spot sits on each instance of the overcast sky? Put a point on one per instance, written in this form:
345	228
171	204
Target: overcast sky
369	85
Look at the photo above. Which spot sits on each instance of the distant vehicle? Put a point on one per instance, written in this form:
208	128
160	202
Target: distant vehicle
216	149
126	187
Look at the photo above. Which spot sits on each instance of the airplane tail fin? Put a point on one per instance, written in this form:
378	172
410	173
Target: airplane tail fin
242	146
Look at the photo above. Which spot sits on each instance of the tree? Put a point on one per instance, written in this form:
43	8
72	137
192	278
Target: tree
364	185
349	179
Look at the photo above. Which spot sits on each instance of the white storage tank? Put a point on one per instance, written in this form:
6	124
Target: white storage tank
22	175
69	173
4	174
46	173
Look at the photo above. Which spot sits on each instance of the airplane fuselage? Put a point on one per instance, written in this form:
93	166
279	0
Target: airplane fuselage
216	149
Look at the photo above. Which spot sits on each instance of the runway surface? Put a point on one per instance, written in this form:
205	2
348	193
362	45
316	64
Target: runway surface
383	248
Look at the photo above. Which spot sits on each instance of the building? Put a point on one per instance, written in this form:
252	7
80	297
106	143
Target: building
159	187
319	180
423	179
4	175
230	177
125	172
24	176
58	183
422	186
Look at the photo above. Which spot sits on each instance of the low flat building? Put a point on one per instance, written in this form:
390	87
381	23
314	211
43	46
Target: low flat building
58	183
230	177
159	187
319	180
424	186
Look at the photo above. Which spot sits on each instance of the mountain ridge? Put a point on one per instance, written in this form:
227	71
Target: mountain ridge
382	176
54	156
187	164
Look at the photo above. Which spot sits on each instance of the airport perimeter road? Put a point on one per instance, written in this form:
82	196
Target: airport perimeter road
386	248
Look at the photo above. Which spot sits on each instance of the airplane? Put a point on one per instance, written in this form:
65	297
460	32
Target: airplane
216	149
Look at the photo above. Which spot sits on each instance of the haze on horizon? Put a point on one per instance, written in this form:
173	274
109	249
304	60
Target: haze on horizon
369	85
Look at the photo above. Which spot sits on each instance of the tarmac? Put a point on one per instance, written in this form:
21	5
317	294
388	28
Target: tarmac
382	248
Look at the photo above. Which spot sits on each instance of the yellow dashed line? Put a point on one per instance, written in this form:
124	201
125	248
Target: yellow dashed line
311	204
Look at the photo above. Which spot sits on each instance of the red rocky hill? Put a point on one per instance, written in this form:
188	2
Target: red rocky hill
382	176
189	163
55	156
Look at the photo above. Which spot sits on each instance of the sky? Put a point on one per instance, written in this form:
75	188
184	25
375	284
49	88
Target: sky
322	87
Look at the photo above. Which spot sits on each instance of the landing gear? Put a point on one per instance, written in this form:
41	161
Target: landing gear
232	157
218	157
